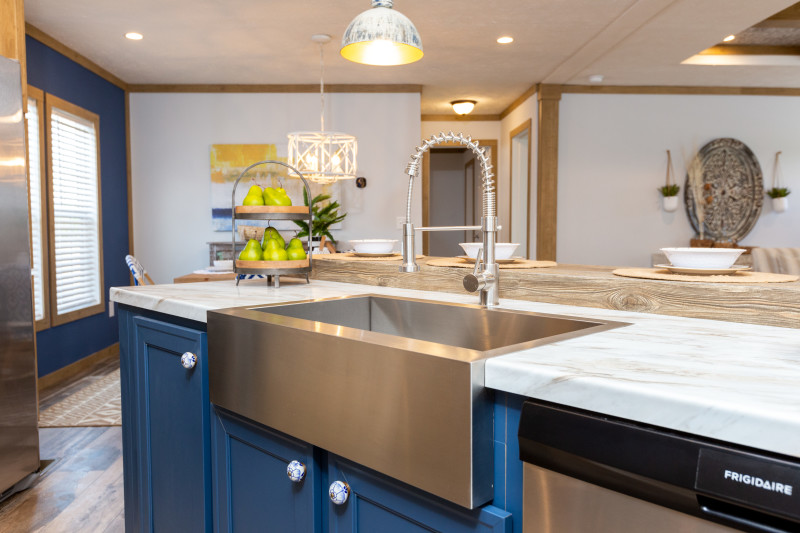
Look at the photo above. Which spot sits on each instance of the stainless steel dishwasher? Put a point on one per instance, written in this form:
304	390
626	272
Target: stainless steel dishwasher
588	473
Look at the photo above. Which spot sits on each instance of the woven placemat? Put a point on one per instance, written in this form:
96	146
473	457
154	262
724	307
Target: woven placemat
463	263
347	256
736	277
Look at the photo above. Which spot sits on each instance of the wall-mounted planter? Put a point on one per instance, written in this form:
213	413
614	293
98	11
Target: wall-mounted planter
781	204
670	203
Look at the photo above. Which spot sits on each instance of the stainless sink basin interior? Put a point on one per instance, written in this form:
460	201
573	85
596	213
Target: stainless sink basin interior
394	384
492	331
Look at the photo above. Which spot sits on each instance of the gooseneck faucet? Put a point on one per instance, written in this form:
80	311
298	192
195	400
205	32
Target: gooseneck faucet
486	275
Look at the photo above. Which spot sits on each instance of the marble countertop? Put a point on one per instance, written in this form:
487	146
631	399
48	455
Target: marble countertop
734	382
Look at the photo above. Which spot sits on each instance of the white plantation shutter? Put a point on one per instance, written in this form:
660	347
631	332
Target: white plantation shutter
75	212
35	191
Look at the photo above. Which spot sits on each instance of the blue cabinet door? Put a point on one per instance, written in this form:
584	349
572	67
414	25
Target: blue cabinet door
378	503
252	491
170	411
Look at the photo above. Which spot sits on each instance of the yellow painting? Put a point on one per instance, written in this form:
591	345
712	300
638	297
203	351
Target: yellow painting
227	163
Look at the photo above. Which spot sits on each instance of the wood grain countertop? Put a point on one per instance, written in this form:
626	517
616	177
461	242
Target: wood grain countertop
770	304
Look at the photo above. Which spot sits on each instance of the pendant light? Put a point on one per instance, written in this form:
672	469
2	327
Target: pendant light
381	36
323	156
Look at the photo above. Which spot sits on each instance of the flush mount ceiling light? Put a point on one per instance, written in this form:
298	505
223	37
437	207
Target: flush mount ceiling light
323	156
381	36
463	107
505	40
133	36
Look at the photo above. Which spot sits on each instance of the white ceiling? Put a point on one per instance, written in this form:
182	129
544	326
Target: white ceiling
630	42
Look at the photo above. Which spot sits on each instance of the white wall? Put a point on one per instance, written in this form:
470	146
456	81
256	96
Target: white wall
612	158
171	135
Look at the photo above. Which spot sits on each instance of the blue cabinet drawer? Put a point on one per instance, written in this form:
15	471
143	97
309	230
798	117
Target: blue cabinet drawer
252	489
378	503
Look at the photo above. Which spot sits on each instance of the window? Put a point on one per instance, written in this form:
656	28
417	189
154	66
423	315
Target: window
66	254
37	193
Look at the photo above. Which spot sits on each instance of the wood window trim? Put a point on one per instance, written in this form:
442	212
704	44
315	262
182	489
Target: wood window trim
44	322
56	319
527	125
426	181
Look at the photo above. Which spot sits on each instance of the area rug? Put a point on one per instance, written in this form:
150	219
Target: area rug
96	404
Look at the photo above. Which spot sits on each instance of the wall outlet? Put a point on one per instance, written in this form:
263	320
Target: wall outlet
399	222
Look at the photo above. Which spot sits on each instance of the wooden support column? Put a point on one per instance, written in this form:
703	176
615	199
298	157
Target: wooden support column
547	172
12	38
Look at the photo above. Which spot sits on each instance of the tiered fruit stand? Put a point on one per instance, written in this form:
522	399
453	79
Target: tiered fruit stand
272	269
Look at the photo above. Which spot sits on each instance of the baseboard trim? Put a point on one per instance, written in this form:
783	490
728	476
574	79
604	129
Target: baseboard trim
63	374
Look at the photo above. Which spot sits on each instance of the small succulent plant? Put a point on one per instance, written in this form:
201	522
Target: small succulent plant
778	192
669	190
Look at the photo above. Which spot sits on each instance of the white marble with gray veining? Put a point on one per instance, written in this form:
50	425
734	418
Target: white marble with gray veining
734	382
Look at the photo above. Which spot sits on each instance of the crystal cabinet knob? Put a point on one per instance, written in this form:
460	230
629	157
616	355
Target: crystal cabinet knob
296	471
188	360
339	492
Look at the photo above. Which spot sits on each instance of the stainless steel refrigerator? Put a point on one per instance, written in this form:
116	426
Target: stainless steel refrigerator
19	435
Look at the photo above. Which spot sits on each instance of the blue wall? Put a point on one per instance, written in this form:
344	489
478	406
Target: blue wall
54	73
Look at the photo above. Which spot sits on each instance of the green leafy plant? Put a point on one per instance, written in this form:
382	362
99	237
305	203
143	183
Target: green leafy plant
669	190
323	217
778	192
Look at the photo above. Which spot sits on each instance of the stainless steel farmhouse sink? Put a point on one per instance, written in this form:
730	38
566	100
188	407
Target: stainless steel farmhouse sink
394	384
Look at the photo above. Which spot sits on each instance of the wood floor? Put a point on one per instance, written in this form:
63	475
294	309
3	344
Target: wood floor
81	491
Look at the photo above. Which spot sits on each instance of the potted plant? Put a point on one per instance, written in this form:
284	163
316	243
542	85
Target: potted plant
669	195
779	194
323	217
780	202
669	192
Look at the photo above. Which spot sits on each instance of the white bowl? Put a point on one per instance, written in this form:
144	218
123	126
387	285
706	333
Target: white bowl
502	250
224	265
374	246
702	257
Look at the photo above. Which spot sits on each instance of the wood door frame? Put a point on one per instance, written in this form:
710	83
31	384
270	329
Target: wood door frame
527	125
426	180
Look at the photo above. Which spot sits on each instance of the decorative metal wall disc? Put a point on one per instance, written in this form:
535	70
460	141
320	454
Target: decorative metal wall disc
731	190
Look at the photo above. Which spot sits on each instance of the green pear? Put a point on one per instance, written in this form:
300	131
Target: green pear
253	199
272	244
275	253
295	253
255	189
295	243
272	233
251	251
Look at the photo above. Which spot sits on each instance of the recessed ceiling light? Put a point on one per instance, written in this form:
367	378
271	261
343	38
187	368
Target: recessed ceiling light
505	40
596	78
729	38
133	36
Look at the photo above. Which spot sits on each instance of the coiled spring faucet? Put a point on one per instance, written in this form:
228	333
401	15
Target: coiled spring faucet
486	275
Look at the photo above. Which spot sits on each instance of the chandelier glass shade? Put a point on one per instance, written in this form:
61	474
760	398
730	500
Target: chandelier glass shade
323	156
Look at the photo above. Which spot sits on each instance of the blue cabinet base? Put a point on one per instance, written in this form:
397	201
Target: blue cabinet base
190	466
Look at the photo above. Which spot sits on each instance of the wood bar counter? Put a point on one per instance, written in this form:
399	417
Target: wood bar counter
770	304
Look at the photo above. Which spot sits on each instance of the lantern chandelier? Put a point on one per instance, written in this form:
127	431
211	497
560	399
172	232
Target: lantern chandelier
323	156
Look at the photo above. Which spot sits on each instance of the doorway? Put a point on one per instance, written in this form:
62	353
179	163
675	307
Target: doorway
452	196
519	207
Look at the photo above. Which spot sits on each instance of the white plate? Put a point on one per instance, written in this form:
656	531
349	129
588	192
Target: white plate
365	254
704	271
499	261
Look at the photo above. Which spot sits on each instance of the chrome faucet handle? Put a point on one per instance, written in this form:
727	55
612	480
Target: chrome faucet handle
478	281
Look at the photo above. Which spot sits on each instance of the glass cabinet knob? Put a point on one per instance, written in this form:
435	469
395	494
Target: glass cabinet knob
188	360
296	471
338	492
